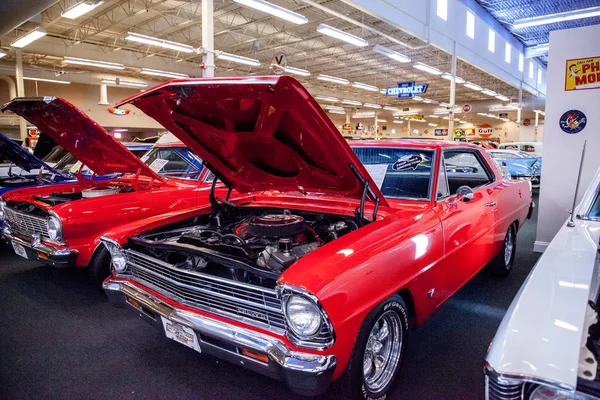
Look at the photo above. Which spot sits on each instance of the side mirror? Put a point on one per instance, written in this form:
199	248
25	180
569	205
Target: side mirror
464	193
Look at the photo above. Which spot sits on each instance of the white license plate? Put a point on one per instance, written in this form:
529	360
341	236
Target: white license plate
181	334
19	250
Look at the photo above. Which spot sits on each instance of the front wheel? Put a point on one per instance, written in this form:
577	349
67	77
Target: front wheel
377	353
99	267
502	264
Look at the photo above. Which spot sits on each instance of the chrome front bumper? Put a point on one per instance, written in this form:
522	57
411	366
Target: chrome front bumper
304	373
60	258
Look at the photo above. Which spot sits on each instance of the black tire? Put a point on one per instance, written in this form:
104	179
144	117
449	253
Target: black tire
99	267
499	265
353	384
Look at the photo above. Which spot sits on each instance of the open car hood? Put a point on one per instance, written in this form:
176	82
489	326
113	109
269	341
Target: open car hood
22	158
259	133
79	134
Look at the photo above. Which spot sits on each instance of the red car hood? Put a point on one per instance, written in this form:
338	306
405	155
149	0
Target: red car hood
259	133
79	134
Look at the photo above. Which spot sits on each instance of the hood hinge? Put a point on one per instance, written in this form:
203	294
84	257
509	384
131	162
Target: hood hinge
360	211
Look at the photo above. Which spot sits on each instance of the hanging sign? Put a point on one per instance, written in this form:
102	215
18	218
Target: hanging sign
417	117
347	127
573	121
118	111
582	73
441	132
279	63
407	90
467	108
485	130
527	122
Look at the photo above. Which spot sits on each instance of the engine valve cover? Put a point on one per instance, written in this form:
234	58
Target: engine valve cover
276	225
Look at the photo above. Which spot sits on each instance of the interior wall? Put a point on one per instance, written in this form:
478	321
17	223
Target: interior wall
562	151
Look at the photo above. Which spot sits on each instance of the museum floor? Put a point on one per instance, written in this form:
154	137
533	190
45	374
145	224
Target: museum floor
60	339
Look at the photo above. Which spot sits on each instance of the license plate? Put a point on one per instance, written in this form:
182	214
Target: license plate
181	334
19	250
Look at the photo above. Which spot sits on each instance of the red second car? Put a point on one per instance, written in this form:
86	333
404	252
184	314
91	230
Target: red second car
318	271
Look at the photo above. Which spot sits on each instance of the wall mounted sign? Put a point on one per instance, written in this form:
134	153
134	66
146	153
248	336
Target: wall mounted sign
582	73
407	90
527	122
347	127
467	108
417	117
485	130
279	63
118	111
573	121
441	132
469	131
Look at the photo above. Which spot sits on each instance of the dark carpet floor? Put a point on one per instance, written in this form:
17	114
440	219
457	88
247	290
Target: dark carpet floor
60	339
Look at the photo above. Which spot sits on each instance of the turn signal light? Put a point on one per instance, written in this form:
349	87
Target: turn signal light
256	355
42	256
133	302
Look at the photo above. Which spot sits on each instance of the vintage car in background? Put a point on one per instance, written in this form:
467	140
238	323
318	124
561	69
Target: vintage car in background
521	165
316	271
548	344
534	148
61	225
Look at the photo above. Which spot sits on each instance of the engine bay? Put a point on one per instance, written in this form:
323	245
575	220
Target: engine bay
253	245
104	189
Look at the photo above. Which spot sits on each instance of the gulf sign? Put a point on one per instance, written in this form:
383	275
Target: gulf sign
485	131
582	73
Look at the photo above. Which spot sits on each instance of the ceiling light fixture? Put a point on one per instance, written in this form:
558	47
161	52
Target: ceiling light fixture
448	76
121	82
394	55
167	74
352	102
383	91
297	71
389	108
502	97
440	112
333	111
238	59
433	116
473	86
429	101
427	68
417	98
364	86
341	35
275	10
92	63
45	80
334	108
167	44
369	105
559	17
326	98
2	53
382	120
398	122
29	37
81	8
430	124
489	92
333	79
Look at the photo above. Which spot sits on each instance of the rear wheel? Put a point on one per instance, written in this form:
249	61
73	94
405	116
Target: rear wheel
377	353
502	263
99	267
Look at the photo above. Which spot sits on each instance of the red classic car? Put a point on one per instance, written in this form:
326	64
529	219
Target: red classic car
61	224
317	271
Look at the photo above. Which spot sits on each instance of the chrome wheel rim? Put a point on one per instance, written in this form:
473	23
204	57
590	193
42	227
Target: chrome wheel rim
508	247
382	353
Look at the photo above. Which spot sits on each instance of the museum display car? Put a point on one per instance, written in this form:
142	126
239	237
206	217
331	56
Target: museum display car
548	344
316	271
521	165
61	225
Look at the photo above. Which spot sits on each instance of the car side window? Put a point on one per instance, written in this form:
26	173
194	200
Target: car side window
443	190
466	168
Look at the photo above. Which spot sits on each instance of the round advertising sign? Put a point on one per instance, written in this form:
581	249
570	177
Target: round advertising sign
526	122
279	63
573	121
466	108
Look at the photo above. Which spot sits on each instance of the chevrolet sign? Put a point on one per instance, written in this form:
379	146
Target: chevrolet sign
406	90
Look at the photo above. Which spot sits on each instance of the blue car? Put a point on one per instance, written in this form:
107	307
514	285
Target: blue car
521	165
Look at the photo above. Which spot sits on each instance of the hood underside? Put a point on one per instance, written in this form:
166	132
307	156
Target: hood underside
20	157
259	133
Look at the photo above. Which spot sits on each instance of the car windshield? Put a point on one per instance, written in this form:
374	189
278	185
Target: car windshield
595	210
399	172
174	162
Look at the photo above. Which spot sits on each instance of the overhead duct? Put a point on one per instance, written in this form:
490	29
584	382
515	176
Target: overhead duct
14	13
12	88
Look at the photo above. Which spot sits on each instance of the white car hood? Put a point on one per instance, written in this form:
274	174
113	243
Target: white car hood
540	335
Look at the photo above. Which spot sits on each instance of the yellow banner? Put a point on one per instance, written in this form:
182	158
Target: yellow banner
583	73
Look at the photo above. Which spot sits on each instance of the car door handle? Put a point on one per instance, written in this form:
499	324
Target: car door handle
491	204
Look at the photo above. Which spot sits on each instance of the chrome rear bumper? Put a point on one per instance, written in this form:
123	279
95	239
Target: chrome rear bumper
306	374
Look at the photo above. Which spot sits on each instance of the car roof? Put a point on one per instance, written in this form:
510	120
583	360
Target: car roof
420	143
170	144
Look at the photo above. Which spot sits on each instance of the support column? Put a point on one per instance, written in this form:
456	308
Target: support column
348	116
520	105
208	38
103	95
376	124
537	119
20	92
452	95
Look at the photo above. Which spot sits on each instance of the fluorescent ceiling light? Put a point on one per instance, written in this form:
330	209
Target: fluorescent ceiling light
334	108
333	111
473	86
81	8
559	17
482	114
352	102
29	37
364	86
274	10
326	98
120	130
381	120
448	76
2	53
92	63
502	97
418	120
333	79
338	34
446	118
383	91
417	98
505	119
427	68
489	92
167	74
369	105
430	124
433	116
238	59
364	115
124	83
389	108
444	104
297	71
167	44
45	80
440	112
429	101
398	122
394	55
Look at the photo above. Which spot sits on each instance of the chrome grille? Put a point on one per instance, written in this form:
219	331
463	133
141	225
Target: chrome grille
248	303
26	224
499	389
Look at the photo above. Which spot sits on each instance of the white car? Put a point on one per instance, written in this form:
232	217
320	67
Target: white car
548	344
533	148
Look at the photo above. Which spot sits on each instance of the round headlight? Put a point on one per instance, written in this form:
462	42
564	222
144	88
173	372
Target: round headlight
54	229
551	393
117	256
304	316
